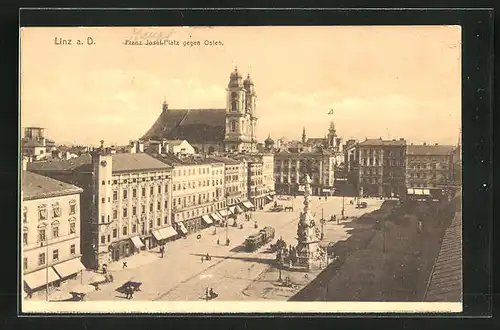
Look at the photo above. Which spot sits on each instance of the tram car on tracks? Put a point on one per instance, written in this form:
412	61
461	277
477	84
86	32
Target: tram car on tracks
255	241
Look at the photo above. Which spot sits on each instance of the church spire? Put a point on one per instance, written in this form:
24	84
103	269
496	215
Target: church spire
165	104
303	135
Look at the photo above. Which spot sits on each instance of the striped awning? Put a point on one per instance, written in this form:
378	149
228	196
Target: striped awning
224	213
216	217
157	235
182	229
248	205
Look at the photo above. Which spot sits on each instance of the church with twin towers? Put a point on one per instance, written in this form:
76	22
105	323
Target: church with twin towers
229	129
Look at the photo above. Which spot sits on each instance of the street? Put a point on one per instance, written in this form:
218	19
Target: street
182	275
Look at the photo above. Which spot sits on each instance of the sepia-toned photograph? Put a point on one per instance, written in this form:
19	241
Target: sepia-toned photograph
240	169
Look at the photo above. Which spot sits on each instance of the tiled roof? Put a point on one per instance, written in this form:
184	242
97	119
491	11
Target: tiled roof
127	162
193	125
122	162
440	150
315	140
225	160
37	186
380	142
174	142
445	284
81	163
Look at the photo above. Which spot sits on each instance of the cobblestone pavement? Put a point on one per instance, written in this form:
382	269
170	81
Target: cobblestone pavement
181	275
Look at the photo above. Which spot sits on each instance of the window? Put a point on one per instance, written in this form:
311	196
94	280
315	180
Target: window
158	222
41	235
124	231
158	206
42	213
151	191
165	221
134	210
143	209
143	192
55	255
103	239
25	214
103	200
115	181
72	207
125	194
72	249
115	214
233	105
103	219
124	212
109	238
115	233
115	195
166	204
159	189
25	238
72	228
103	182
134	228
25	263
41	259
55	231
134	192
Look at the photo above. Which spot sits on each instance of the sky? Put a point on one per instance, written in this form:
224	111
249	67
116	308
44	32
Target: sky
380	81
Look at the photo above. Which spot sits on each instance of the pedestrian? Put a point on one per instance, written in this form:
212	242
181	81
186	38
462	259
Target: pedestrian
206	294
201	259
208	257
124	265
218	242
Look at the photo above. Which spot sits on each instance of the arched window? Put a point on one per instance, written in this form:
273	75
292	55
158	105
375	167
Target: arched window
72	225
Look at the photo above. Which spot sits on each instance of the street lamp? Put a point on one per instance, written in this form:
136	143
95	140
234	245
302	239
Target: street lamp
343	206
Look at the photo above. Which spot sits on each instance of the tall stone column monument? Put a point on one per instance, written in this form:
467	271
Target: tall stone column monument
310	255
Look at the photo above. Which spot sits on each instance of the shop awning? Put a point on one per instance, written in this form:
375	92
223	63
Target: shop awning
239	208
207	219
182	229
39	278
269	198
167	232
231	208
157	235
224	213
137	242
248	205
216	217
327	190
69	267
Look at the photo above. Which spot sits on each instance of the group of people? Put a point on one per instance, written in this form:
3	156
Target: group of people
210	294
286	255
206	257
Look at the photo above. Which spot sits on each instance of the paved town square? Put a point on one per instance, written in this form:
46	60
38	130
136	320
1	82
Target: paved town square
181	275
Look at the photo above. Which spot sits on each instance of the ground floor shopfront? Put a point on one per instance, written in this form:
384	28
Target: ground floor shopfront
52	276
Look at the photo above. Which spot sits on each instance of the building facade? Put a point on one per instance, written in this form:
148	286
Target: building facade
290	168
50	231
125	202
429	166
381	167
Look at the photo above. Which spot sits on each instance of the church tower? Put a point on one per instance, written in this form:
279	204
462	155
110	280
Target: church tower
250	106
303	135
240	114
332	134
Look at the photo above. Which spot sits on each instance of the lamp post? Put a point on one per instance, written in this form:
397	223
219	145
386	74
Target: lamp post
343	206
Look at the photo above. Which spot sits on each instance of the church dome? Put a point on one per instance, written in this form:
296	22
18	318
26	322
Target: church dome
235	79
248	81
269	141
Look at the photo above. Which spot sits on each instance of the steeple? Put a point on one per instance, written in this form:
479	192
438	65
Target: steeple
303	135
165	105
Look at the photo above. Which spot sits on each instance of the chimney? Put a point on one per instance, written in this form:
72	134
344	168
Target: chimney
425	144
436	144
159	148
165	106
140	146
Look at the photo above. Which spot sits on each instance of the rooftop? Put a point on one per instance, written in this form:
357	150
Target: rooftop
30	143
440	150
37	186
380	142
82	163
193	125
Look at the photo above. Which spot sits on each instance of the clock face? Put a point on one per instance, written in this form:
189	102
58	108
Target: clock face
104	163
